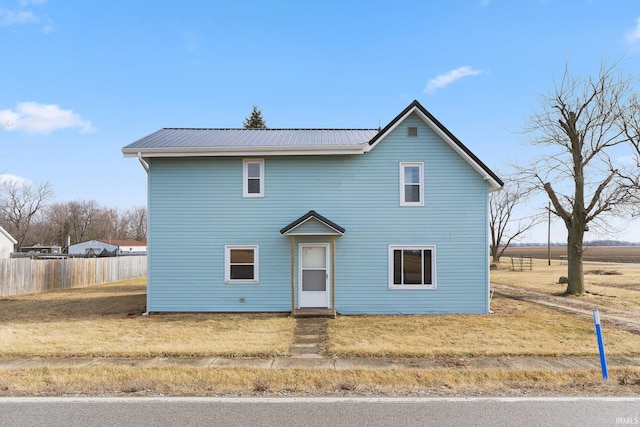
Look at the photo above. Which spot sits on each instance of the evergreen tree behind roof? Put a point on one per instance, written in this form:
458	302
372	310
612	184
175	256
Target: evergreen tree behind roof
255	120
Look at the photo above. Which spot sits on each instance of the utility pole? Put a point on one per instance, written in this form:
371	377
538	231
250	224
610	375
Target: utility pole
549	234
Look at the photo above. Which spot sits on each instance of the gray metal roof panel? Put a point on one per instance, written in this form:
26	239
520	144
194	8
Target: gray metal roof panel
168	138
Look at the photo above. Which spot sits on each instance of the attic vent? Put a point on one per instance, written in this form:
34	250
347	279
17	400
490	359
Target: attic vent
413	131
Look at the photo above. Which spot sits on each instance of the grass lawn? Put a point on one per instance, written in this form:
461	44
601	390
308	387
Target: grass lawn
608	285
515	328
193	381
106	321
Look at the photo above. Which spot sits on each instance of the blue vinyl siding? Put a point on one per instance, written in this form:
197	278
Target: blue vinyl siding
196	207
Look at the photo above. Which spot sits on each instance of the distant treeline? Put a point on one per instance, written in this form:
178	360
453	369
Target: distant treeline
588	243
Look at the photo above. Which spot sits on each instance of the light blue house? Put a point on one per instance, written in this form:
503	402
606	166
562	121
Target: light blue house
354	221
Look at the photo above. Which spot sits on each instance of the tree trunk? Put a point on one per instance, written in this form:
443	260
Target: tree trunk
494	253
574	259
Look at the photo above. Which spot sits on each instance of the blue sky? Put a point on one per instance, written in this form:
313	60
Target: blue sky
80	80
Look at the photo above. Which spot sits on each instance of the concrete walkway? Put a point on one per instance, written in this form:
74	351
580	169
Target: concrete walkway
510	363
308	338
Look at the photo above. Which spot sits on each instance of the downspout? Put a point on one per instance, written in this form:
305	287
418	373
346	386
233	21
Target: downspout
145	165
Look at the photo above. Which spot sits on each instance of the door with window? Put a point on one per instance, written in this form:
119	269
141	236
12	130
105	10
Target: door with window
314	275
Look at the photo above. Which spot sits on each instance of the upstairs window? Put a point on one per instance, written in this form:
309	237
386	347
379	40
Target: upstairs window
253	178
412	131
411	184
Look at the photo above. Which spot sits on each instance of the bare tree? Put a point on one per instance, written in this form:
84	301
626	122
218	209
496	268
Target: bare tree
79	221
44	231
630	174
19	203
56	218
503	227
83	216
136	220
581	122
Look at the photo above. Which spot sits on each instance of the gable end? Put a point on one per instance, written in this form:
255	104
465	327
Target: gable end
494	181
331	227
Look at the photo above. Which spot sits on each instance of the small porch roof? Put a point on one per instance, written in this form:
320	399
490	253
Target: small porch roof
312	224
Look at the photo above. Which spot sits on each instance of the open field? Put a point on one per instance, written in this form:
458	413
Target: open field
616	286
623	254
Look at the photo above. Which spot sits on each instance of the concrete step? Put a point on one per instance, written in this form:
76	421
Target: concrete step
308	338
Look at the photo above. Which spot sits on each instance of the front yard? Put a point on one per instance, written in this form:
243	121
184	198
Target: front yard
106	321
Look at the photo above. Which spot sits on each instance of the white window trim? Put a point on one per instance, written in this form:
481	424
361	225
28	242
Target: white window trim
245	178
434	275
421	183
227	264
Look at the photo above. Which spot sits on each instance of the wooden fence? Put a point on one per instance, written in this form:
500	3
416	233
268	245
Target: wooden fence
27	276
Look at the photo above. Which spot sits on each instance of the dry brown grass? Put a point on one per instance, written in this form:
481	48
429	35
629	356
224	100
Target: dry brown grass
515	328
106	321
609	285
190	381
591	253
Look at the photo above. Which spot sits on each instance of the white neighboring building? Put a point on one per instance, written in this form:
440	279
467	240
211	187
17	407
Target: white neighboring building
7	243
108	247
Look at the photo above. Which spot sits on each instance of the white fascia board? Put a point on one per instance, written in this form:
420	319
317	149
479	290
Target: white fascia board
243	151
335	232
8	236
493	184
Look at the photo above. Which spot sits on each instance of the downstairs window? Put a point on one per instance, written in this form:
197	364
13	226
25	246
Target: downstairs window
412	267
241	264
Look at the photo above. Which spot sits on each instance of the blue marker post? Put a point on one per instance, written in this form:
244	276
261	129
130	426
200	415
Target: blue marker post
603	358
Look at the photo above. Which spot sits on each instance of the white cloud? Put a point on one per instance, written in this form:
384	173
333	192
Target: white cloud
446	79
24	15
7	178
47	27
28	2
633	35
628	161
10	17
35	118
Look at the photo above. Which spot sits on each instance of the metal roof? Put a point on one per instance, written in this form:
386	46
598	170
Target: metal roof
174	142
337	230
180	138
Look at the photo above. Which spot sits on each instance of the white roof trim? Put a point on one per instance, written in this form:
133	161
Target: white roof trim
9	236
335	232
493	184
243	151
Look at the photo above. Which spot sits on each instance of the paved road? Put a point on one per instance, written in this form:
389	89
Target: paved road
301	412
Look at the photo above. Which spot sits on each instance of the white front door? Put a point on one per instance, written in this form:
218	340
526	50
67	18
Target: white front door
314	275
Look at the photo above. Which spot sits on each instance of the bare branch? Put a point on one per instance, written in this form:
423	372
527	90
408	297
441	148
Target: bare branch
503	227
581	120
